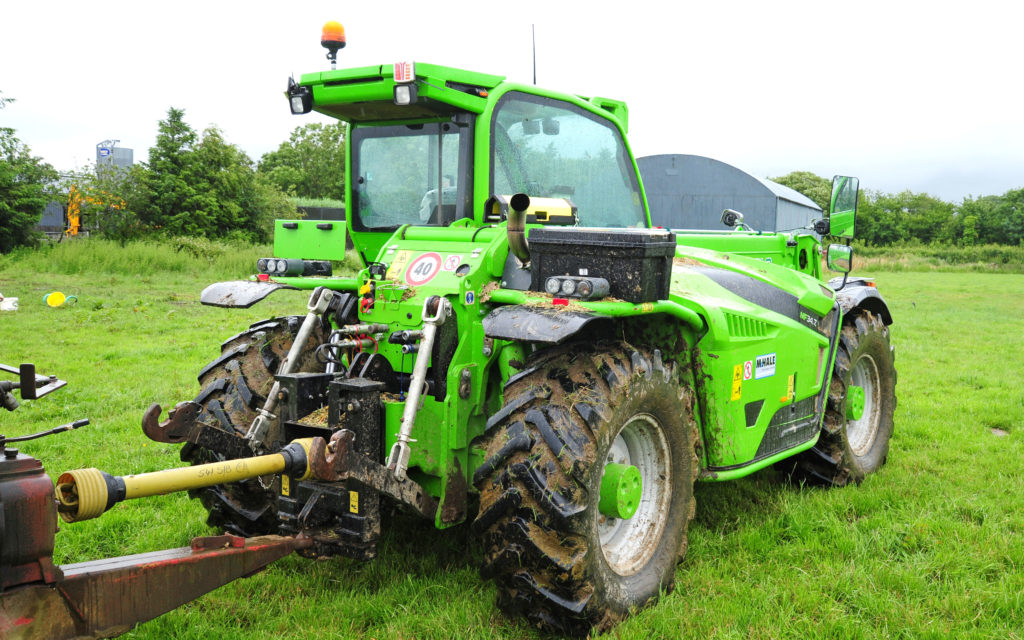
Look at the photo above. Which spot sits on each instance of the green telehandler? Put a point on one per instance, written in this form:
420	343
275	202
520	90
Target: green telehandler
522	339
523	353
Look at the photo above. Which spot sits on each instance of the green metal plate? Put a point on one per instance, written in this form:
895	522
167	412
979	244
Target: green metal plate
309	239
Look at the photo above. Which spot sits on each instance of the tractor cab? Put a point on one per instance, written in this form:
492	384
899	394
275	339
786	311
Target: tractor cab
429	145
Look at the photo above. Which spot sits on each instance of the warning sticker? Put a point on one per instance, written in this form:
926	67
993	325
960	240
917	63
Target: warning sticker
353	502
748	369
398	265
764	366
452	262
423	269
737	382
790	388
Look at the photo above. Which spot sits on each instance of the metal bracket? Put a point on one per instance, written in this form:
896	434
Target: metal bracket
339	460
32	386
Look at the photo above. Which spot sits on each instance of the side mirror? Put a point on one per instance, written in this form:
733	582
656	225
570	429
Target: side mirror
840	258
843	206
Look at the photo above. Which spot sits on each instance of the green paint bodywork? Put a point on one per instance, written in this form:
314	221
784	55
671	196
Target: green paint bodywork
319	239
746	362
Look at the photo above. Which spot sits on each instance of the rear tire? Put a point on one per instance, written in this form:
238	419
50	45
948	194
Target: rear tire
849	449
554	557
233	388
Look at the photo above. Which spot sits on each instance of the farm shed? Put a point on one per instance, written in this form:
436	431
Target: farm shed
690	192
52	222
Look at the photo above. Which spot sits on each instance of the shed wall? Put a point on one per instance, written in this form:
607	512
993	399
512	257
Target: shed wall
794	216
690	192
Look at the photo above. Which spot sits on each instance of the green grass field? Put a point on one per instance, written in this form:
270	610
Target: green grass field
930	547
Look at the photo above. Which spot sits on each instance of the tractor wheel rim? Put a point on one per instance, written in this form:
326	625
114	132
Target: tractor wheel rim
627	545
863	431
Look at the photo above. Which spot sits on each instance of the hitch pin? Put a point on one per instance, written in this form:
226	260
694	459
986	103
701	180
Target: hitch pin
319	302
398	459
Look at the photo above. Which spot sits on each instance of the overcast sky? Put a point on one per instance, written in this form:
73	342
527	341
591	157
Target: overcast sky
906	95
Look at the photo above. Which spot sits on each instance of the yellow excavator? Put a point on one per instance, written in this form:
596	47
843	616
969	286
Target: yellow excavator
77	201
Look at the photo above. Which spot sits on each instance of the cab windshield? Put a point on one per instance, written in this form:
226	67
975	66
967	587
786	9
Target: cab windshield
410	174
551	149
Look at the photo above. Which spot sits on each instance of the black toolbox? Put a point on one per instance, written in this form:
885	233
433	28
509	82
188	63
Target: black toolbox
637	263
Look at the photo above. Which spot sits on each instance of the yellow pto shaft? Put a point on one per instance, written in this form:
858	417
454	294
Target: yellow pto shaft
87	493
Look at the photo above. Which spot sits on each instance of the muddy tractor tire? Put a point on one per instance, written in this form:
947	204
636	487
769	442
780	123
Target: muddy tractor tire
858	424
233	387
572	422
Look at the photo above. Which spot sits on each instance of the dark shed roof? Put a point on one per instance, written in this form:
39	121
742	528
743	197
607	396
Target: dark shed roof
690	192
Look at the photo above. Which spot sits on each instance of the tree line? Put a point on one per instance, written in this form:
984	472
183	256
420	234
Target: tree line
193	184
888	219
23	180
198	184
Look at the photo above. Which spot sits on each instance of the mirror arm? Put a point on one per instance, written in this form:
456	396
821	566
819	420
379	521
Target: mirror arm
845	276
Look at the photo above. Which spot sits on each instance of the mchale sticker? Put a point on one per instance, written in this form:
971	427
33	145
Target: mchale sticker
764	366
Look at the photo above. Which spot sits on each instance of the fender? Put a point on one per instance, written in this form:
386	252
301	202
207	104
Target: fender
240	294
857	294
531	323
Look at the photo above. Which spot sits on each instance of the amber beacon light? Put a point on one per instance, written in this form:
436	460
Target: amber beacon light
332	38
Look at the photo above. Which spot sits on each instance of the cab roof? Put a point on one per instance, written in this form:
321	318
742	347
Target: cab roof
366	94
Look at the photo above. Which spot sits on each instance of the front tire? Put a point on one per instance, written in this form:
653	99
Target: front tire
233	388
854	443
555	558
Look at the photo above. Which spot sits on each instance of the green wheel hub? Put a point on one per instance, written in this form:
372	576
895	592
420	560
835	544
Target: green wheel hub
621	488
854	403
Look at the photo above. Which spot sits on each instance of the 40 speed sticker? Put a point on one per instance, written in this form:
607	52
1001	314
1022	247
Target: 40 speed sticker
423	269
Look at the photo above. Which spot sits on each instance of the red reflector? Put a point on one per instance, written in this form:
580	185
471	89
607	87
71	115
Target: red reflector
263	277
405	71
560	302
